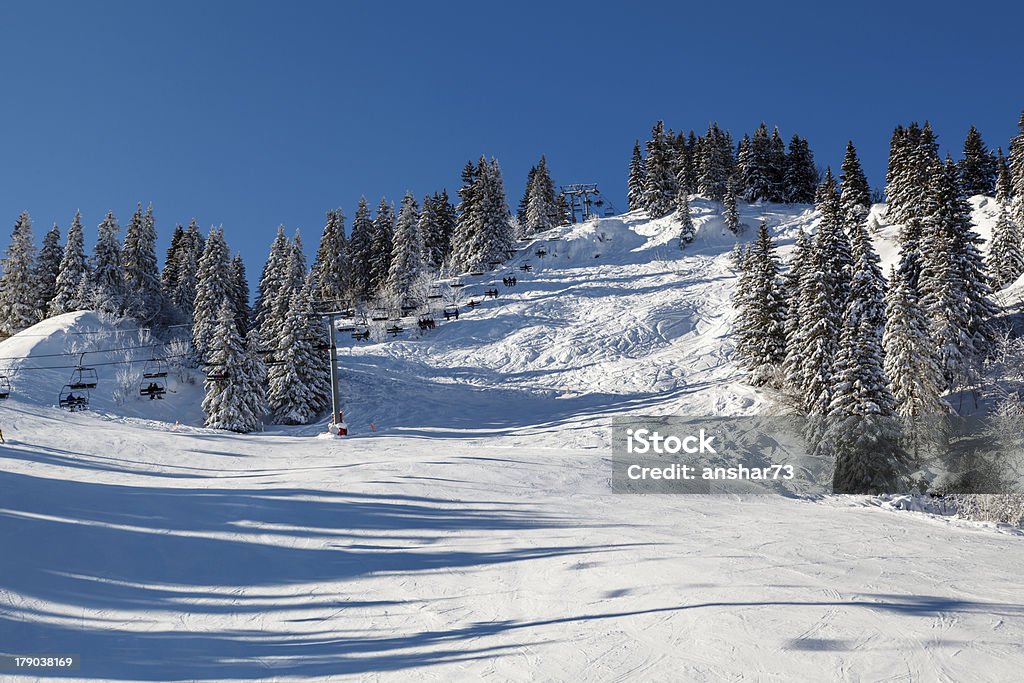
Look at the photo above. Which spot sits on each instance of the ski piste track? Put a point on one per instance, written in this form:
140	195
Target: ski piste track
473	535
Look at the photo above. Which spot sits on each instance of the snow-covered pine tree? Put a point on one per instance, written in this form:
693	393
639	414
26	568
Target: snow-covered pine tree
777	166
758	179
407	252
255	376
824	292
382	246
141	272
107	291
360	250
272	279
855	200
744	166
861	432
186	264
19	305
331	266
227	404
977	167
315	367
73	273
686	230
1004	181
954	289
914	377
524	202
437	222
660	184
292	400
761	324
682	164
48	268
1017	171
212	295
484	232
730	212
541	205
1005	255
792	366
801	176
238	294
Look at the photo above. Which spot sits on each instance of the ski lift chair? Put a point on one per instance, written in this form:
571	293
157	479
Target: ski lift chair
395	330
435	292
5	387
73	400
83	377
154	389
526	267
408	307
456	283
361	333
473	303
476	273
378	315
542	252
156	368
451	312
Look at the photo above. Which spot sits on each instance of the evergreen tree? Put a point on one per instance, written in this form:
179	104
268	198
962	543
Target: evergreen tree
1004	183
212	296
855	199
437	223
801	175
361	252
107	291
182	297
791	293
762	315
686	229
524	202
757	180
238	294
382	246
915	378
273	278
48	268
484	231
1017	171
73	273
660	185
19	305
315	368
331	267
141	273
861	433
228	403
255	375
777	167
1005	253
299	388
715	163
730	212
978	166
406	256
953	286
541	205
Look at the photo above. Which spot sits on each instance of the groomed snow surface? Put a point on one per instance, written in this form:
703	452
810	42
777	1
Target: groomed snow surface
473	535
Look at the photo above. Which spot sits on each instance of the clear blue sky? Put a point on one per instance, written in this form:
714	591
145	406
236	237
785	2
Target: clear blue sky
251	114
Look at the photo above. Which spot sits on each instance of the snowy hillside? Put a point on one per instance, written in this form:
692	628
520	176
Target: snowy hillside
473	534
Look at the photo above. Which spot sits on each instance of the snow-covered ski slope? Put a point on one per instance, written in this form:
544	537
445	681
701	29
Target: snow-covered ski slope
473	535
